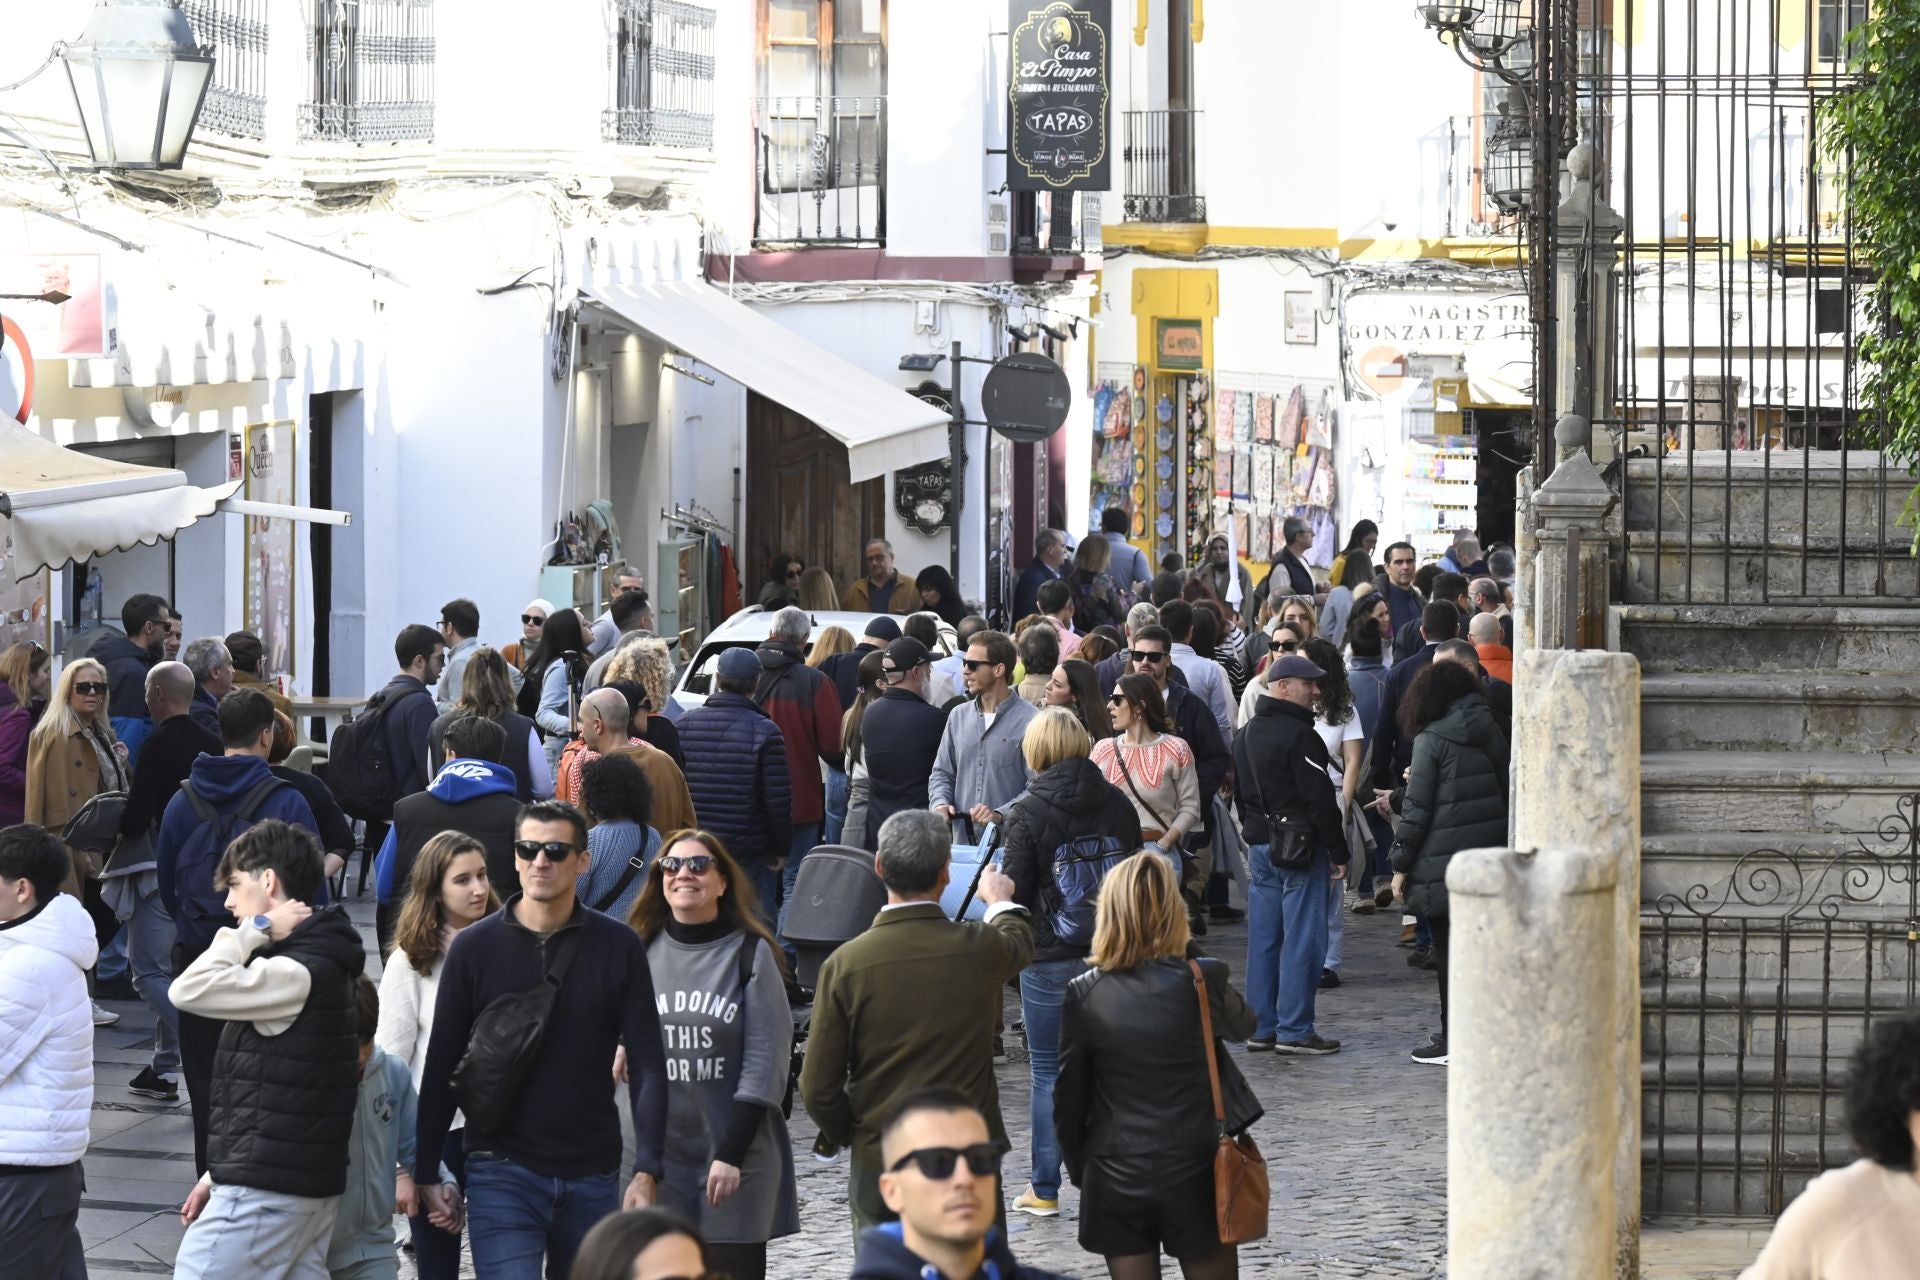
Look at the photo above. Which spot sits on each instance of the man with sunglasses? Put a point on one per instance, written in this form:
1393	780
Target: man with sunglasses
537	1185
941	1172
980	770
128	657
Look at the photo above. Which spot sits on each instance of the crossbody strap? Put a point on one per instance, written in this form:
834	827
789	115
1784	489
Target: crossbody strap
1120	754
1206	1034
568	943
635	865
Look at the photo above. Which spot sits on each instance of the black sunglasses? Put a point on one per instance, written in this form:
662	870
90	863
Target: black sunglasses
698	863
1146	655
533	619
1287	646
556	850
89	686
794	573
937	1163
974	664
1117	699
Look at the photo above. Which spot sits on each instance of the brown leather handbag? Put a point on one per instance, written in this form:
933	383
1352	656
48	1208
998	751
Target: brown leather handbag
1240	1187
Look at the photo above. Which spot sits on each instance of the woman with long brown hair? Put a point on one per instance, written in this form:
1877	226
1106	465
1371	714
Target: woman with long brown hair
853	830
1096	600
447	892
721	985
1133	1104
25	678
1075	685
486	690
1154	769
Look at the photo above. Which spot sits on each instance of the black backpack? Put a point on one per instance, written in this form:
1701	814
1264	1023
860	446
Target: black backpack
505	1040
202	904
360	767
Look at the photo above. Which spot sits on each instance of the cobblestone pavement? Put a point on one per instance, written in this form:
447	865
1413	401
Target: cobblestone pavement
1356	1144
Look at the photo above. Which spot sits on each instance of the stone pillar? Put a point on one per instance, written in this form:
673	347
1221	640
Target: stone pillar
1526	549
1529	1097
1576	771
1573	497
1585	232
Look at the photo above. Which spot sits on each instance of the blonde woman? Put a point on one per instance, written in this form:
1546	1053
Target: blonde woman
648	664
818	592
830	641
72	754
447	891
1133	1106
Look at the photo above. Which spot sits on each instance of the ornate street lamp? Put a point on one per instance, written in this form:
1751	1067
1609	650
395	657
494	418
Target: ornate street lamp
139	79
1484	32
1508	172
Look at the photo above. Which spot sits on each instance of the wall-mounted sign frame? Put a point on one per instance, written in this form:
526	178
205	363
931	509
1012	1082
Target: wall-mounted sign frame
1179	345
1058	121
272	474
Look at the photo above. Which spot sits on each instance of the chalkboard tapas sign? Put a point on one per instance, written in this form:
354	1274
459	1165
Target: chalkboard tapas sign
1057	132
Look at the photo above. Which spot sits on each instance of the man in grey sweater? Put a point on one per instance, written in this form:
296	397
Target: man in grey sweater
980	771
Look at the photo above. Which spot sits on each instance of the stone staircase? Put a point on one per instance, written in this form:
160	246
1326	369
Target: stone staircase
1779	711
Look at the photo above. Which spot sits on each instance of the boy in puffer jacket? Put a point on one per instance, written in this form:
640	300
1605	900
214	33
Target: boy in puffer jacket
379	1158
46	1057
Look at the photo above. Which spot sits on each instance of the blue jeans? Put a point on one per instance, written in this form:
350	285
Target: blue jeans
805	836
1333	939
837	785
1286	944
436	1253
1043	989
113	958
516	1218
150	938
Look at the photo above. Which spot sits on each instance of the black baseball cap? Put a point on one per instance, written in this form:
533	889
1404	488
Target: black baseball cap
904	655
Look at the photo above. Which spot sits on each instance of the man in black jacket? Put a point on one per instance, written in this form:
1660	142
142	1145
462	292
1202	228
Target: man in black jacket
1282	765
165	762
286	1075
844	668
900	736
127	659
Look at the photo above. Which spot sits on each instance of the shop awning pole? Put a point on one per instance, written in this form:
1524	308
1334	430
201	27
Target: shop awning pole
280	510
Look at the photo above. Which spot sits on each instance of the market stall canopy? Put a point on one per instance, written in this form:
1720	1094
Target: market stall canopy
883	427
64	505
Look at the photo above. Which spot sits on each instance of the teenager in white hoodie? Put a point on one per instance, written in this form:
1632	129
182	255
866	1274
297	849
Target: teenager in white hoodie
47	944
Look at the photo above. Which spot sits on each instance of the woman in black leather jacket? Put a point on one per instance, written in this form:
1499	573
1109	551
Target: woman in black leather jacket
1133	1105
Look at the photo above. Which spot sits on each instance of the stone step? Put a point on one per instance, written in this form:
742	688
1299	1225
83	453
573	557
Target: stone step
1772	791
1772	496
1727	1094
1710	567
1721	1173
1673	863
1779	711
1779	637
1822	1018
1767	920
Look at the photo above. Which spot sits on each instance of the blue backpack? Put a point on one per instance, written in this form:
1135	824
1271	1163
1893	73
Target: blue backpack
1079	867
201	904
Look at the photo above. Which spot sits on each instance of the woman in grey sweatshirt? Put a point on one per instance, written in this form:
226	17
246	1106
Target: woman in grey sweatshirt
719	983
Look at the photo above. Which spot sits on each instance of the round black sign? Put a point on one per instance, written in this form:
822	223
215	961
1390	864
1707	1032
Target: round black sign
1026	397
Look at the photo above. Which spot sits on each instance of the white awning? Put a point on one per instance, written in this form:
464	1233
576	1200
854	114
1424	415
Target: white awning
883	427
64	505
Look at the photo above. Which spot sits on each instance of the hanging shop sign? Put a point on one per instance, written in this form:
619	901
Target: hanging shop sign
59	301
1179	345
923	495
1026	397
1058	77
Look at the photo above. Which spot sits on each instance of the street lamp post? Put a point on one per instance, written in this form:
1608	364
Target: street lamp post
139	79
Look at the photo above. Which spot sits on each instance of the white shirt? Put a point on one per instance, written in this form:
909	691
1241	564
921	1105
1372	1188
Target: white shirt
1334	735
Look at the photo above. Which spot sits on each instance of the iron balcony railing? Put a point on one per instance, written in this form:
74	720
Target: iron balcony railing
236	32
1161	158
371	63
661	81
1050	223
822	163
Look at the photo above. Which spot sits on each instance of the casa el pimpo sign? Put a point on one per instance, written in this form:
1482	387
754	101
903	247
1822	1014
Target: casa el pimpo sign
1057	126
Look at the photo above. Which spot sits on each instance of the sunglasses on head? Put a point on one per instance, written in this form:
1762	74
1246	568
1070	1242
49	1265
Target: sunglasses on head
698	863
556	850
1147	655
533	619
937	1163
95	687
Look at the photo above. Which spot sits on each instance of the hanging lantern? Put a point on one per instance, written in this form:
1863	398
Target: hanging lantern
1508	173
139	78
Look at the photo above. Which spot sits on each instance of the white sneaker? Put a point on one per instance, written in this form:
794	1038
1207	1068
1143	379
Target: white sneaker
103	1017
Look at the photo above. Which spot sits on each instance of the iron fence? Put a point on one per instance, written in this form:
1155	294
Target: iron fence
822	162
371	64
1161	170
1756	991
1050	222
661	75
236	30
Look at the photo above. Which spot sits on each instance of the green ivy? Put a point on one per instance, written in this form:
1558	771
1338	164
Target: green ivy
1874	130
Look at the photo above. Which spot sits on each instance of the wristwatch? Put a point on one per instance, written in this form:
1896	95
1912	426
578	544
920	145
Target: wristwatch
263	924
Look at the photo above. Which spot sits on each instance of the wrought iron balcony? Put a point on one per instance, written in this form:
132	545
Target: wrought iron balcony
822	165
237	96
1051	223
661	55
371	63
1161	157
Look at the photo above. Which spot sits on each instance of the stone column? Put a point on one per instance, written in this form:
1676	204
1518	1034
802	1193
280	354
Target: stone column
1573	497
1529	1096
1585	232
1576	770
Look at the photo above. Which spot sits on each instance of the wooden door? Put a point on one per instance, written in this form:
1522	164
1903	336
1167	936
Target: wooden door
799	499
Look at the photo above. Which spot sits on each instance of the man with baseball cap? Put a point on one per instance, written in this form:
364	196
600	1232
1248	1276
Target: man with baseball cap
737	772
899	735
844	668
1287	807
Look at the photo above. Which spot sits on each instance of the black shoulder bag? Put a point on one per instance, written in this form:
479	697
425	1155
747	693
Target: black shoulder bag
1290	840
505	1040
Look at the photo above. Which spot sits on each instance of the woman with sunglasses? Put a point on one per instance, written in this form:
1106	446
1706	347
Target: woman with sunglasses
1288	638
782	586
72	754
721	985
1149	765
26	676
447	892
1075	685
1133	1105
533	619
642	1244
550	694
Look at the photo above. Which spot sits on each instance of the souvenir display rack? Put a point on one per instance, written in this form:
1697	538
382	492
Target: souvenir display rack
1272	457
1442	494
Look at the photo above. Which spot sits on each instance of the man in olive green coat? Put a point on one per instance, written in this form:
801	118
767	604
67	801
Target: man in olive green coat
913	1001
